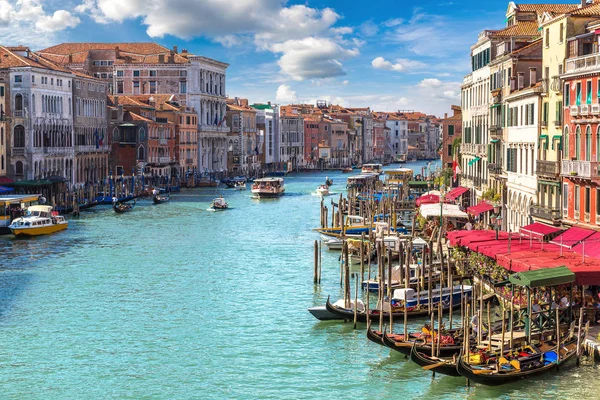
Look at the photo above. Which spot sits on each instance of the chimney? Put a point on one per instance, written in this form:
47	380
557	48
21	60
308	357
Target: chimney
117	52
183	51
445	115
70	58
171	57
532	76
161	58
175	48
520	80
513	83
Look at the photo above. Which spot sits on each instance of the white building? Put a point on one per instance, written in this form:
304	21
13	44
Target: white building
398	136
206	94
266	121
523	133
291	145
41	116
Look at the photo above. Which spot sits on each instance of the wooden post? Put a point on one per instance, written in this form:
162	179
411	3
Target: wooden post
557	337
316	274
430	281
320	261
489	327
347	276
432	330
439	332
389	288
512	315
355	302
503	329
451	299
362	257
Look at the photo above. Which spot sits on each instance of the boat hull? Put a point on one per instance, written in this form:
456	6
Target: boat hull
322	314
38	231
267	195
420	358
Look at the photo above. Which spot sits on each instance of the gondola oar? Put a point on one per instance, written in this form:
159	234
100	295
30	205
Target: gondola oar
432	366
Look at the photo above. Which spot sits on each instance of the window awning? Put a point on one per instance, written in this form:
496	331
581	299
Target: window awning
445	210
572	236
473	161
456	193
589	246
4	189
495	106
557	137
482	207
427	199
39	182
543	277
494	140
538	230
5	180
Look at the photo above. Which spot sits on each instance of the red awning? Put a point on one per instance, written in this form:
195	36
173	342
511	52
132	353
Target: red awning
572	236
4	180
480	208
456	193
590	246
538	230
427	199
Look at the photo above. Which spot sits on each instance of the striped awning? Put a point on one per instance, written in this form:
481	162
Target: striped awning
473	161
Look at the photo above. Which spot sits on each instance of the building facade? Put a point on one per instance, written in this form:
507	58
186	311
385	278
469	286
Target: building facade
3	120
451	135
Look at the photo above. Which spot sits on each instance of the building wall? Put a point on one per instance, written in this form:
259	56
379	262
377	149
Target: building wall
292	140
3	127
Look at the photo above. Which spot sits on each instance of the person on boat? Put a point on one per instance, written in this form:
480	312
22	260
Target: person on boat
469	226
536	308
475	323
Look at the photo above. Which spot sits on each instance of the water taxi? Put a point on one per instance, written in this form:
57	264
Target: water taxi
219	204
268	187
11	207
240	185
38	220
372	169
323	190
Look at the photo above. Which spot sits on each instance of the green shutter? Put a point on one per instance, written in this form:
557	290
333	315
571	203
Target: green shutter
567	95
545	113
588	99
578	94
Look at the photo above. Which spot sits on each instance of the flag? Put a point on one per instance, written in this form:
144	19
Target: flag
102	139
256	150
221	121
97	137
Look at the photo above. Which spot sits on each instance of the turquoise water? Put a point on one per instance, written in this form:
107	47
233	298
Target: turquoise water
176	302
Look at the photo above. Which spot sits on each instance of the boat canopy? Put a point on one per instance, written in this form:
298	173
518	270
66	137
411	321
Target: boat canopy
543	277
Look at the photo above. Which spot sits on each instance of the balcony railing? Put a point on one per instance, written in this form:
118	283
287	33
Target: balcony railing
91	149
495	168
18	113
58	150
547	168
579	169
213	128
546	213
159	160
557	124
18	151
472	148
590	62
163	141
574	111
584	109
189	160
595	109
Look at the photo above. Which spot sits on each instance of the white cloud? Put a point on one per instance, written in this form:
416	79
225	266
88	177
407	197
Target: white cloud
368	28
346	82
285	94
60	20
344	30
393	22
430	83
402	64
312	58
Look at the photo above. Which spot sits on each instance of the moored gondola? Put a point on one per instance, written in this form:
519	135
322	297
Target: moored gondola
444	366
516	365
448	346
377	336
159	199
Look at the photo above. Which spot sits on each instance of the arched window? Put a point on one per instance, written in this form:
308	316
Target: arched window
19	136
33	103
142	135
577	142
19	168
18	102
1	136
565	148
588	143
116	135
2	164
141	153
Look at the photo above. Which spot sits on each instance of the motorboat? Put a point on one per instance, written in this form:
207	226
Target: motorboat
333	243
268	187
323	190
38	220
240	185
233	182
347	170
372	169
219	204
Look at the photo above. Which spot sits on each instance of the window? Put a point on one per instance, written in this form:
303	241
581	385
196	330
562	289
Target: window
116	135
450	130
182	73
1	91
587	199
559	110
567	95
152	72
566	149
18	78
152	86
141	152
182	87
19	168
588	92
597	204
588	143
52	81
578	94
545	114
576	197
547	41
577	142
120	87
136	87
136	73
103	75
450	150
119	73
561	33
142	134
19	136
18	102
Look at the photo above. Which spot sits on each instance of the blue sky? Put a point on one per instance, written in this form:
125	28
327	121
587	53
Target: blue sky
386	54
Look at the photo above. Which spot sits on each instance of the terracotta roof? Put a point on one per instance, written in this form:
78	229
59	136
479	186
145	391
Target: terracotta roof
137	117
532	49
9	59
129	101
541	8
235	107
592	10
524	28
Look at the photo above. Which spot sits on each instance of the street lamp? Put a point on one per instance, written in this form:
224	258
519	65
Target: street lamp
496	220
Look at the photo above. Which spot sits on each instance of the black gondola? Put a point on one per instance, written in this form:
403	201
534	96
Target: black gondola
527	366
158	199
397	343
121	208
377	337
444	366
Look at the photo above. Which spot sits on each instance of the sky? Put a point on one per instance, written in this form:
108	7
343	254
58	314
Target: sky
385	54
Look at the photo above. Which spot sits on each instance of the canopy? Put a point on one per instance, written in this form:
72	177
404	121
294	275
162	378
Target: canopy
572	236
456	193
480	208
589	246
4	189
428	199
418	184
473	161
446	210
5	180
40	182
543	277
538	230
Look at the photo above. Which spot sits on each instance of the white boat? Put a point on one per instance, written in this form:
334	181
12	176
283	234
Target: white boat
38	220
321	313
268	187
323	190
333	243
240	185
372	169
219	204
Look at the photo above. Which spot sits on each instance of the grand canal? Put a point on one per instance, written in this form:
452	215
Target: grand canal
175	302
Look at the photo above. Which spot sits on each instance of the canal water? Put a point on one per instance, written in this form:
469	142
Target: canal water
176	302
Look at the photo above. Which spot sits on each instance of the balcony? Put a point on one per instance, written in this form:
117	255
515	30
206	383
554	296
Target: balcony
18	151
189	160
584	109
159	160
495	169
58	150
163	141
557	124
579	169
18	113
545	213
574	111
595	109
213	128
590	62
91	149
474	149
548	169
